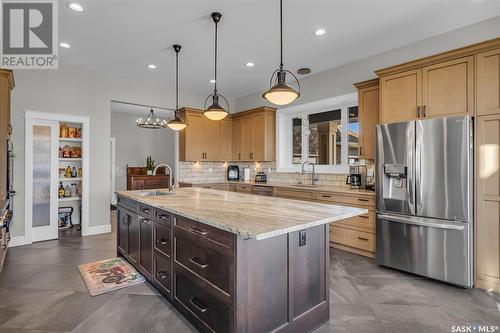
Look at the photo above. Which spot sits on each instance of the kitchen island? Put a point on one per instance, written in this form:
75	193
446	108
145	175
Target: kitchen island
233	262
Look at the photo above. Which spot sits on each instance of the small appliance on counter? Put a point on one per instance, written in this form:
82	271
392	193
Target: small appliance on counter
261	177
246	174
233	172
356	178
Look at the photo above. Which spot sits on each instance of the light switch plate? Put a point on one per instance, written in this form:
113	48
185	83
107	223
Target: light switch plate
369	173
210	170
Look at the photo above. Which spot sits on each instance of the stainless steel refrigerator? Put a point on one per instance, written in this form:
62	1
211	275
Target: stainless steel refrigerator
424	198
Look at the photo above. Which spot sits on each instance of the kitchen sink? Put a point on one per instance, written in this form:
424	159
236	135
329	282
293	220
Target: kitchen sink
153	193
304	185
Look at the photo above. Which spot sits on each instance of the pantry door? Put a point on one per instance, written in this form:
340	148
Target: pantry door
41	178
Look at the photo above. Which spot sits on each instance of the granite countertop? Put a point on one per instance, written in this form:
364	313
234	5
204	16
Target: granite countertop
318	188
247	215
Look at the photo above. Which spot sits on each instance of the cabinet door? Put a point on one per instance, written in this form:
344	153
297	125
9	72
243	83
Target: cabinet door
259	137
400	95
237	139
146	245
448	88
488	82
488	202
247	138
123	222
194	137
133	238
211	139
226	139
368	99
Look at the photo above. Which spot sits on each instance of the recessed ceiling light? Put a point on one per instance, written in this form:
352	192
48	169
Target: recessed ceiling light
151	66
304	71
250	64
64	45
212	81
75	7
320	32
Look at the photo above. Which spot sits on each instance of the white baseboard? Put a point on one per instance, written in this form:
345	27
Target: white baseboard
96	230
17	241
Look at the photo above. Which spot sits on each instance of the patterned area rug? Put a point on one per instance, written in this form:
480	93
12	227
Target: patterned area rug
107	275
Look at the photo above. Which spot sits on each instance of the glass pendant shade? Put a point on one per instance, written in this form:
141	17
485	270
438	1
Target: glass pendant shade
215	111
176	124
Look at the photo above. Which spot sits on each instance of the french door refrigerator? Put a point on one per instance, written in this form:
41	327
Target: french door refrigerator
424	198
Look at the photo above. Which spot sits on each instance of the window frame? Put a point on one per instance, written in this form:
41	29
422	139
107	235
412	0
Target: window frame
284	131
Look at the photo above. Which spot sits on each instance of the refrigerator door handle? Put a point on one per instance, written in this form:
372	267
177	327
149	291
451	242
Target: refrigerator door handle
425	222
418	166
410	144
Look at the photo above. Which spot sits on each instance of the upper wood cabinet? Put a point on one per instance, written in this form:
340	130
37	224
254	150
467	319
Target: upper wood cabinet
488	82
400	96
201	139
368	115
448	88
226	139
254	135
6	85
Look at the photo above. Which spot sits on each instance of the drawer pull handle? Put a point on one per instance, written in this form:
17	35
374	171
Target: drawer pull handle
199	305
162	241
198	231
364	200
145	210
162	216
363	238
195	261
326	196
162	274
144	220
364	216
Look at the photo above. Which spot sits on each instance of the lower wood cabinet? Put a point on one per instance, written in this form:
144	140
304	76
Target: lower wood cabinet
224	283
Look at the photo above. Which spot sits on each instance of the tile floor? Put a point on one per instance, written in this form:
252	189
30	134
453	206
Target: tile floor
41	291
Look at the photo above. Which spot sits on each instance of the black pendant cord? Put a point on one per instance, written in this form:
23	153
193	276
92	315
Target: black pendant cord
281	34
215	78
176	82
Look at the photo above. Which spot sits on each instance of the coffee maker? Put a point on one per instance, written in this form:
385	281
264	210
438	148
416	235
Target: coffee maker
357	176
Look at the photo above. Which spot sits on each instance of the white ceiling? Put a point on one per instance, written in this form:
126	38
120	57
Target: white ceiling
122	37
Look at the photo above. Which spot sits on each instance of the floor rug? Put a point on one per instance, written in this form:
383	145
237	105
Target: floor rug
107	275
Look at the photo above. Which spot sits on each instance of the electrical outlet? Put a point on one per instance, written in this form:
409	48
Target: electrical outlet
369	173
269	170
210	170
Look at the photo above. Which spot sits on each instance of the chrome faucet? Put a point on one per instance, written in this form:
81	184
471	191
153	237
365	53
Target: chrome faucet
314	176
172	185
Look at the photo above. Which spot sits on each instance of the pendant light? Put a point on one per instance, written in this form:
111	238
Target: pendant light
215	111
176	124
151	121
281	93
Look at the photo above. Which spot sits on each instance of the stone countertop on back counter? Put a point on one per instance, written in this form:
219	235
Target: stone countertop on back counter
319	188
247	215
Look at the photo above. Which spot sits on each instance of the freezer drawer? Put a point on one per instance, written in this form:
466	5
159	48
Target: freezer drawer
434	248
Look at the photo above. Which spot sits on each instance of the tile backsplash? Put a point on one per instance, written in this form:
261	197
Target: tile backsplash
207	172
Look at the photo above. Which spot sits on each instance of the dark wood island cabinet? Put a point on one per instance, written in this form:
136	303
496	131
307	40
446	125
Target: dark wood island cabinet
224	282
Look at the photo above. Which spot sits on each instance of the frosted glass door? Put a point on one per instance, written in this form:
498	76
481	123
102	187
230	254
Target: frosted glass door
44	182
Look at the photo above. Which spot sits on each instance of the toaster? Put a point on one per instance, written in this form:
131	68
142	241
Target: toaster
260	177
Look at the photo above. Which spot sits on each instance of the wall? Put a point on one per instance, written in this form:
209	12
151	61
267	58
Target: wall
76	91
339	81
134	144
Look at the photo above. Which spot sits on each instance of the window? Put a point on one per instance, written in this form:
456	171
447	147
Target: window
315	132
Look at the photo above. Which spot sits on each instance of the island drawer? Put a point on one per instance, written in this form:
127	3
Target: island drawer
145	210
162	216
206	263
161	274
127	203
161	239
211	314
354	238
220	238
347	200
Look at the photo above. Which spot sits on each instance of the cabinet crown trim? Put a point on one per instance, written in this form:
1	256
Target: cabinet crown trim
10	77
441	57
367	84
